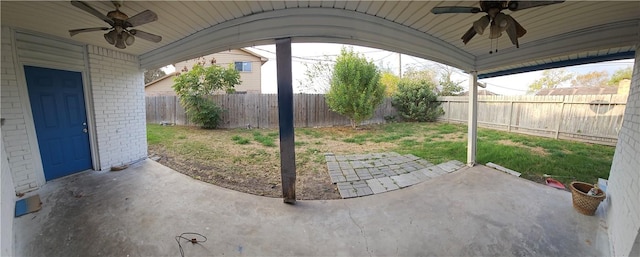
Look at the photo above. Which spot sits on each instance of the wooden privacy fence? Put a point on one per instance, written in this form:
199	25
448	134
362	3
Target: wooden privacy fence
591	118
260	111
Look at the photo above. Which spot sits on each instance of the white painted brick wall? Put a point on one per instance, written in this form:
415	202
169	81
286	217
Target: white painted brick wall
7	204
118	97
14	133
623	214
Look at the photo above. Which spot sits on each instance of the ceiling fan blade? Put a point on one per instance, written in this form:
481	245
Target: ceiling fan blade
455	9
146	35
87	8
468	35
73	32
142	18
521	5
512	31
520	31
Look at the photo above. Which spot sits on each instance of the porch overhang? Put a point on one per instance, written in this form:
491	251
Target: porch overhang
569	33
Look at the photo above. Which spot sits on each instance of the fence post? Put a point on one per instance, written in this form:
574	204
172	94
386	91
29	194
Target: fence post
449	111
560	118
510	116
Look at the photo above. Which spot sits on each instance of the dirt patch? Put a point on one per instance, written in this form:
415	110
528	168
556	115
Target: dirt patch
214	157
453	137
537	150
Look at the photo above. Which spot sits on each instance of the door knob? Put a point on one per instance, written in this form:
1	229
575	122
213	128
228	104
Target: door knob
84	130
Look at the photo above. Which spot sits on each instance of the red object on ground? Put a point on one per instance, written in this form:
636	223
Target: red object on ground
554	183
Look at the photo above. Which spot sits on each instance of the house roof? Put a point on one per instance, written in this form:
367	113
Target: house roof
480	92
569	33
170	75
579	91
262	58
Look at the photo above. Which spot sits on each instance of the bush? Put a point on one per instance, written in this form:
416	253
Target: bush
194	86
355	90
416	101
202	111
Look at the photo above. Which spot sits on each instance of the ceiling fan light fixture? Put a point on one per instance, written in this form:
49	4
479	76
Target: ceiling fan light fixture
110	37
498	21
120	41
481	24
495	31
501	20
120	32
128	38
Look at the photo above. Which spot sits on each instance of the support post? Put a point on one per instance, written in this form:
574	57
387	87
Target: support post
285	115
472	134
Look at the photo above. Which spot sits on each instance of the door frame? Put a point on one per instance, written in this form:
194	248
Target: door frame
28	114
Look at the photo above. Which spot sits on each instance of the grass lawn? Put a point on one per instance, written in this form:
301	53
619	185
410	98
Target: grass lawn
248	160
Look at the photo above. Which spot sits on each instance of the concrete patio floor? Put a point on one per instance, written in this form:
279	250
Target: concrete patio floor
139	211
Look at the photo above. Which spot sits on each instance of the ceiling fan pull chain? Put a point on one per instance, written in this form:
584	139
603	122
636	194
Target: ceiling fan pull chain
490	45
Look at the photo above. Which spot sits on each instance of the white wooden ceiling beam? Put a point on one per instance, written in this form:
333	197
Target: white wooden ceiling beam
321	24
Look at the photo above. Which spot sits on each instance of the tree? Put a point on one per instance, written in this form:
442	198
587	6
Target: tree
317	76
620	74
447	85
416	101
153	74
195	85
426	75
355	87
551	79
390	81
591	79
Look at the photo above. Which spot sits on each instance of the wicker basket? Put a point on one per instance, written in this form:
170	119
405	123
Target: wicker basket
583	203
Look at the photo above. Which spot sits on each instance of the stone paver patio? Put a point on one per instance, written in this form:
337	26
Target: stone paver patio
375	173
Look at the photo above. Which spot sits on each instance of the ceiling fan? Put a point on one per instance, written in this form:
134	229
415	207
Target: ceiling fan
499	21
120	35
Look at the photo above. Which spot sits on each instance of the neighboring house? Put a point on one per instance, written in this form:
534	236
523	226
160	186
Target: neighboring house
621	89
480	92
246	62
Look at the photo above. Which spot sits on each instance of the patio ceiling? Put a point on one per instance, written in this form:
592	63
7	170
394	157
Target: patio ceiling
569	33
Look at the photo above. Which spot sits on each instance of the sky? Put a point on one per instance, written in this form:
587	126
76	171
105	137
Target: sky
309	52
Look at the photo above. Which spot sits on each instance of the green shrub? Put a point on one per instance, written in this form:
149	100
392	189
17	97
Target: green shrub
195	85
355	90
202	111
416	101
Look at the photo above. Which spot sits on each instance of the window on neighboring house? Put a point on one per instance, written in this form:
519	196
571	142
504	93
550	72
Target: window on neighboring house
243	66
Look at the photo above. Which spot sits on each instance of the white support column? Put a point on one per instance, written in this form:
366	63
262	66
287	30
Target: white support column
472	134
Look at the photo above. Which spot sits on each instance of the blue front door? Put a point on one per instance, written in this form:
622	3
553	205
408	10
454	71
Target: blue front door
57	103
